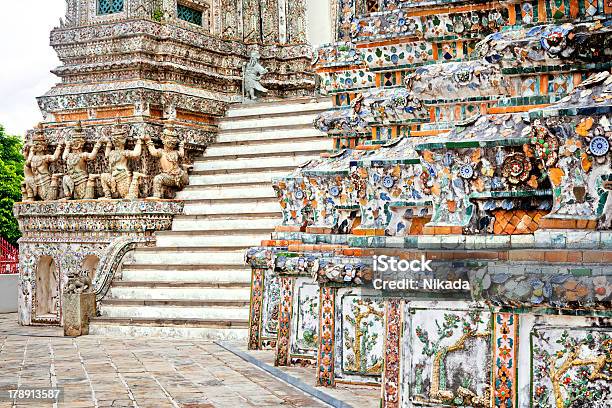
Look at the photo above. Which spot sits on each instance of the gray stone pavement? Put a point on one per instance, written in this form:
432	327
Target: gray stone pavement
97	371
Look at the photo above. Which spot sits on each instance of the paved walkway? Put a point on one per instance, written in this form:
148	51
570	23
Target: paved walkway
101	372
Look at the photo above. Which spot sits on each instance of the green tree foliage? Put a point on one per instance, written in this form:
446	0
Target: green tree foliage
11	176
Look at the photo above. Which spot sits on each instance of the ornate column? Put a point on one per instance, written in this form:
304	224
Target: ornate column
392	370
284	321
257	282
251	21
325	360
231	27
296	22
505	353
269	21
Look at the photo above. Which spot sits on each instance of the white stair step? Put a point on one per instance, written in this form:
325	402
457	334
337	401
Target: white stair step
222	240
223	207
175	312
249	148
210	193
189	257
193	293
267	122
270	162
201	274
196	223
277	108
261	176
298	132
132	329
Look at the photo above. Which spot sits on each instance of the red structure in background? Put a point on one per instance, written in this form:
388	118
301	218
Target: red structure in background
9	257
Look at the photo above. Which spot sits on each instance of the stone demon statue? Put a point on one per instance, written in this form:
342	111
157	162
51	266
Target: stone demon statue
44	185
120	182
173	173
78	184
252	75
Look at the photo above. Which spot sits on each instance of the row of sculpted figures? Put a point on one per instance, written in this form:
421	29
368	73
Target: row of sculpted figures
119	181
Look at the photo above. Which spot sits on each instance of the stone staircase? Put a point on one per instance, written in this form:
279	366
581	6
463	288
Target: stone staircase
194	283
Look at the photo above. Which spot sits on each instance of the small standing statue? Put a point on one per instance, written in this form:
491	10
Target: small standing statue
251	76
45	184
120	182
78	184
173	174
28	184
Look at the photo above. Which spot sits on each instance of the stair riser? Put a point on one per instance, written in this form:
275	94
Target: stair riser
306	131
231	208
189	258
227	224
250	148
231	193
278	109
263	176
220	241
211	334
175	312
201	275
262	123
263	163
179	293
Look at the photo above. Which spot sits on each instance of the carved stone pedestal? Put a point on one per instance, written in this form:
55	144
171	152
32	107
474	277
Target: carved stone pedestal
77	309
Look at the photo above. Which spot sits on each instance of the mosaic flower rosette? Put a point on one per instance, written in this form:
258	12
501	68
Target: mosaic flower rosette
571	367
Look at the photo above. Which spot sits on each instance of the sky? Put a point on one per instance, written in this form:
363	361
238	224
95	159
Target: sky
26	57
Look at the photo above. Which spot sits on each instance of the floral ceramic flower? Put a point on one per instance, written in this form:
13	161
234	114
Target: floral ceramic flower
602	287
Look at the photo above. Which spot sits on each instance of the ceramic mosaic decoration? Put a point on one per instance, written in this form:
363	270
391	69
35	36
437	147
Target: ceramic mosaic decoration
477	135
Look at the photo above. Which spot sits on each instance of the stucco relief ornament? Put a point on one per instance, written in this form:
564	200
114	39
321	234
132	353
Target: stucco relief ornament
251	76
46	184
545	144
516	168
78	283
120	182
27	185
173	173
78	184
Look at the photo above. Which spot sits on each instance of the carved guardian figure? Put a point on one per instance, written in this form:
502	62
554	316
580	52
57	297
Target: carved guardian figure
120	182
173	174
252	74
46	184
78	184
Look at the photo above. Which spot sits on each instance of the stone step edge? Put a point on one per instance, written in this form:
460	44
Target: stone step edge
270	101
175	284
264	129
175	302
284	154
182	267
156	322
283	376
233	232
230	216
265	142
244	171
276	111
